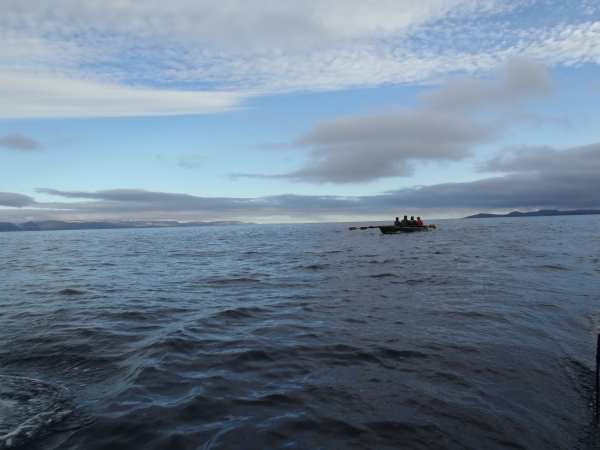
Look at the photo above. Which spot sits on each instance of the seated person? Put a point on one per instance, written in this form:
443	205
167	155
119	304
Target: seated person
397	222
420	222
405	222
413	222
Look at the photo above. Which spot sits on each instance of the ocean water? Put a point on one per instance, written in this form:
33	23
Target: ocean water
480	334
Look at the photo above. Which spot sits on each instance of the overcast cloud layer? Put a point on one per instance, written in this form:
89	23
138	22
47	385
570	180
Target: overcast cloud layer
530	179
444	128
105	48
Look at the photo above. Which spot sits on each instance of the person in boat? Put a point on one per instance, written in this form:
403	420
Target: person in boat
405	222
420	222
397	223
413	222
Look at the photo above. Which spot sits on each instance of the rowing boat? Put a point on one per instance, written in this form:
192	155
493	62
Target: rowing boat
390	229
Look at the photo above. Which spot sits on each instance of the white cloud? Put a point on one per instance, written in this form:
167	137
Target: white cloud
568	44
266	47
237	22
58	97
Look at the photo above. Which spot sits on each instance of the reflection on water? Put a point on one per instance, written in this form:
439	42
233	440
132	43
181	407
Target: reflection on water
480	334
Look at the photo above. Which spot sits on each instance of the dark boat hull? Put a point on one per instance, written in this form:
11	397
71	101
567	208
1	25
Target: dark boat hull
394	230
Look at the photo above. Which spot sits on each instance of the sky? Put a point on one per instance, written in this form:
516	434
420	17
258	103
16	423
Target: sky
297	111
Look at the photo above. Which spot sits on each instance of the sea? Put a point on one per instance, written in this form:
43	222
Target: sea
480	334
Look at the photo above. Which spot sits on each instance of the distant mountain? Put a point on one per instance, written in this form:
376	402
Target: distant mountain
48	225
542	212
7	226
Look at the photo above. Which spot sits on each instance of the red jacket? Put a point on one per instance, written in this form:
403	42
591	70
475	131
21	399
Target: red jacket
420	222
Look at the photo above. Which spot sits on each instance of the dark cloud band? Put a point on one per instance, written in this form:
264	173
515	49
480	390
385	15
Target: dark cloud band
532	178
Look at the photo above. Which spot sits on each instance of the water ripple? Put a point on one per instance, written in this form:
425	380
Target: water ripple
479	334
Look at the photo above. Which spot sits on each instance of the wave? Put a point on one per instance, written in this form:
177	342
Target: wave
29	408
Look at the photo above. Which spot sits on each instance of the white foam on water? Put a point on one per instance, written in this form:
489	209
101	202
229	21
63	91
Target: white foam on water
28	407
6	409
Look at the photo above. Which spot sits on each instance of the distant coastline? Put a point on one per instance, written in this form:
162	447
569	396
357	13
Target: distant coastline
542	212
55	225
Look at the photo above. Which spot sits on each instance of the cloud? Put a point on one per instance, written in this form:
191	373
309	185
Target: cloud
445	128
237	22
184	161
539	177
28	97
14	200
264	47
19	142
520	80
546	160
66	141
191	161
418	54
273	146
362	149
534	178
